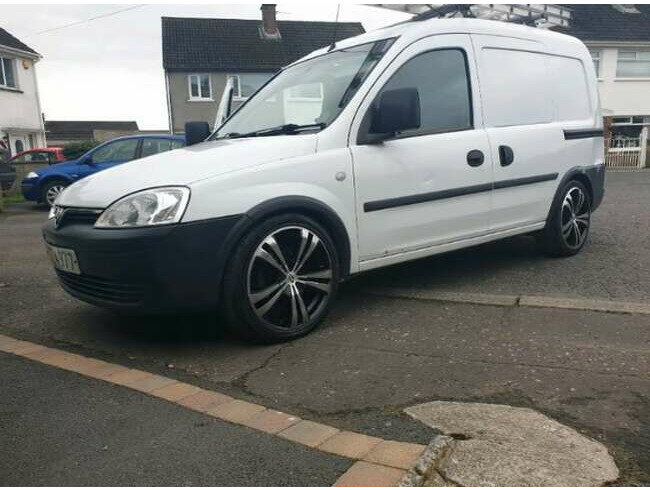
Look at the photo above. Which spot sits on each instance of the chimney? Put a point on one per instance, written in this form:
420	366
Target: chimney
269	23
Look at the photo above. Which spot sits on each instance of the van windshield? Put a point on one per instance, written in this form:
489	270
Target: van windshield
306	96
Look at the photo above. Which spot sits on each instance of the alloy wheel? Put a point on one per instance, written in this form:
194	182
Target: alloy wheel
575	217
289	278
52	193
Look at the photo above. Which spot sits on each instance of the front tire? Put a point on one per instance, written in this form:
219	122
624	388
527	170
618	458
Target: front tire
568	227
282	279
51	191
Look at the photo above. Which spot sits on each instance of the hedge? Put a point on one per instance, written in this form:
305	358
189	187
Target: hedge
71	151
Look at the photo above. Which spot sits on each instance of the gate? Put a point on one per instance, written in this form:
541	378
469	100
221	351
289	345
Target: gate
626	152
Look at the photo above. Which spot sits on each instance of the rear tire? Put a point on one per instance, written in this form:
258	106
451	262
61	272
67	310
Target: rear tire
282	279
51	191
568	226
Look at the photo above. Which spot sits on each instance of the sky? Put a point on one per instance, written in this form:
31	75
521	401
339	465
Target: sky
111	68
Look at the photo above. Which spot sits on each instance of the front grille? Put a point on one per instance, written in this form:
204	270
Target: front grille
102	289
78	216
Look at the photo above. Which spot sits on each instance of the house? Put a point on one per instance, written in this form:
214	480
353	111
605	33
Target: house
618	36
60	133
21	122
200	54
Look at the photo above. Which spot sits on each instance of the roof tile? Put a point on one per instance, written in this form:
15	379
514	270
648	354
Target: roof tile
191	44
602	22
10	41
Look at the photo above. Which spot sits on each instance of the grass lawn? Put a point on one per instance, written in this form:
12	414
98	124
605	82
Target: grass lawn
13	199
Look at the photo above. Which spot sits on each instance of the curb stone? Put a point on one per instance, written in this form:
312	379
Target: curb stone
425	467
586	304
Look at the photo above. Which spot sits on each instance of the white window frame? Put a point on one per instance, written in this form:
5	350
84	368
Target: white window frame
596	57
629	121
12	61
236	94
629	60
200	98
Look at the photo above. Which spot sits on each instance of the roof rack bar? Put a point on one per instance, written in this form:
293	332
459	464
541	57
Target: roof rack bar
539	15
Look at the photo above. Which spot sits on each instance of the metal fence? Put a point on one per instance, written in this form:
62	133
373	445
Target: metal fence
21	170
624	152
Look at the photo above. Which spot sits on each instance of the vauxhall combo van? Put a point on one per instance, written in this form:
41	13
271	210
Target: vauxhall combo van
398	144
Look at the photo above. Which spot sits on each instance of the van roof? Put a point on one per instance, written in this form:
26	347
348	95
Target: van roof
412	30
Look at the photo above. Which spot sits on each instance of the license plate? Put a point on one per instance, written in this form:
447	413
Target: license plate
64	259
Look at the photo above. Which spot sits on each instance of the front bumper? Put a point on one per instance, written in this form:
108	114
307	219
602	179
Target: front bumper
145	269
30	189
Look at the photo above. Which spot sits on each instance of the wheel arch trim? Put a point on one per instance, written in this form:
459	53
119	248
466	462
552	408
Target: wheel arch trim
593	177
313	208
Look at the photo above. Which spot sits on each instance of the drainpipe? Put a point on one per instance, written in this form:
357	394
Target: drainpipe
38	104
170	115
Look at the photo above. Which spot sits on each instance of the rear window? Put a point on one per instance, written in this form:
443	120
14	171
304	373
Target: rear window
515	87
572	102
151	146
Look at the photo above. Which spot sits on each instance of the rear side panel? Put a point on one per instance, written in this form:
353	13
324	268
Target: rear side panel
533	96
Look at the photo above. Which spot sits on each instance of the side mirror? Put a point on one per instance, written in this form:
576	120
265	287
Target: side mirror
87	160
196	132
398	110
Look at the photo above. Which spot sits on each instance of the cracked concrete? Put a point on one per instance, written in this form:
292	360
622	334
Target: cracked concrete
510	447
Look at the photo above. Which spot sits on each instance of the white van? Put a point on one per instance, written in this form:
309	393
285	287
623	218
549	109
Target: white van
428	136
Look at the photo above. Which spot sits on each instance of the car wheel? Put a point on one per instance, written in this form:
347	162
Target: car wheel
567	230
282	279
52	190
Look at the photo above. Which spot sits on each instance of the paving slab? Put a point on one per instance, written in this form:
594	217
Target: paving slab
509	446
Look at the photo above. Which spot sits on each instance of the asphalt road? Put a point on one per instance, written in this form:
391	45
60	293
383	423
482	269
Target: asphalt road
59	428
375	355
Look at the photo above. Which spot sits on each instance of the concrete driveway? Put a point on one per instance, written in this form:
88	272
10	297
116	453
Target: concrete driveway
377	355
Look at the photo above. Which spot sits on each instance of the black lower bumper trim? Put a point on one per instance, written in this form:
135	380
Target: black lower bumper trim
151	269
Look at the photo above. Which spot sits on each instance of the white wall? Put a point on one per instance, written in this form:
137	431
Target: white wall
620	96
20	110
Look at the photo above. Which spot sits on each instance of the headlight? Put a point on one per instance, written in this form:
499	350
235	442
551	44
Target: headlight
153	207
32	175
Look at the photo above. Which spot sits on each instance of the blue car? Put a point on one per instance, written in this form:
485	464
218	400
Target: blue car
44	185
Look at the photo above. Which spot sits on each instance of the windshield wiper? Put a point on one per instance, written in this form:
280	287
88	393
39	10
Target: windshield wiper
284	129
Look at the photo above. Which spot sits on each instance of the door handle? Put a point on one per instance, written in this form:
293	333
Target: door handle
475	158
506	155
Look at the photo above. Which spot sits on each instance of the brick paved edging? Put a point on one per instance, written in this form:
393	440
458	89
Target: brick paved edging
378	462
587	304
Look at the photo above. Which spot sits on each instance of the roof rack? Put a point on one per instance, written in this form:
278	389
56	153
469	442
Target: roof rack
537	15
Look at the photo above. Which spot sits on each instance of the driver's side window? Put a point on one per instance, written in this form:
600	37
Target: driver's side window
442	80
118	151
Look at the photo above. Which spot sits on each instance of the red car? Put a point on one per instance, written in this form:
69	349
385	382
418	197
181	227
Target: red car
39	155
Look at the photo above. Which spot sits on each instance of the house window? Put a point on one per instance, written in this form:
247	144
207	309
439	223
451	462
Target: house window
307	91
633	64
595	56
7	73
246	84
630	120
200	87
